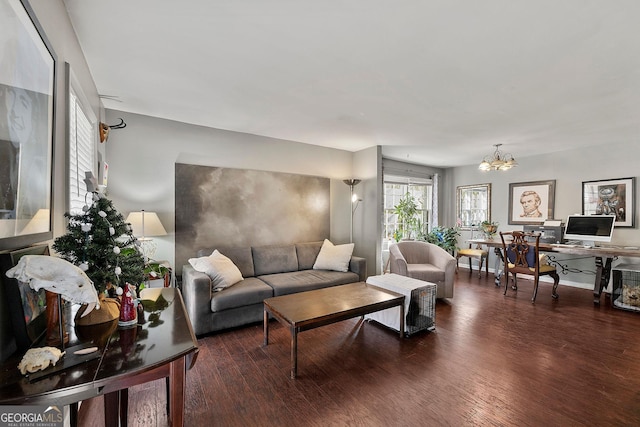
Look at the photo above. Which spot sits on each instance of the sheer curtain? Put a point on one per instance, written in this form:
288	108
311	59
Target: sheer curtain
434	200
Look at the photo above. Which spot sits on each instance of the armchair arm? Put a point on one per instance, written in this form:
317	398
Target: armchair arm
359	266
397	263
441	258
196	291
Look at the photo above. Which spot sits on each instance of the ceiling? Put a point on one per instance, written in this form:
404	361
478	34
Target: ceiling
436	82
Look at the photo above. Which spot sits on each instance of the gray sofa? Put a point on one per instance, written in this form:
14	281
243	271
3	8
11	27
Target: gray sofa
267	271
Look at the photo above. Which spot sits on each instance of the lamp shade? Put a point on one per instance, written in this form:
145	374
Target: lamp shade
39	223
146	224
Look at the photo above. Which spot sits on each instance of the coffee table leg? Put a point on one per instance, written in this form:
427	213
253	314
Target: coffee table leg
402	320
294	352
266	328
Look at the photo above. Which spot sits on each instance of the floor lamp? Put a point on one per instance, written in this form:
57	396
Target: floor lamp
354	198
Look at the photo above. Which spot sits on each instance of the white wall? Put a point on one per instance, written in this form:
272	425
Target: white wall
569	169
367	218
141	160
55	22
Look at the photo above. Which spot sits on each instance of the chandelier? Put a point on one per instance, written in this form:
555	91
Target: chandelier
498	161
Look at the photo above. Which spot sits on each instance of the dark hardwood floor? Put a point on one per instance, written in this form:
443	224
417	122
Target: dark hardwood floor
492	360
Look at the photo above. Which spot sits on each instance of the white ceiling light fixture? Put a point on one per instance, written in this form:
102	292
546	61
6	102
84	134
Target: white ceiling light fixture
498	161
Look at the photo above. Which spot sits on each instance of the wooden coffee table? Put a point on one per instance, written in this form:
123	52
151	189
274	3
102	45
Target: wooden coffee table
307	310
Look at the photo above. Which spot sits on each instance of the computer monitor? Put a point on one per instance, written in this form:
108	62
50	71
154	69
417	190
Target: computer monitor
590	228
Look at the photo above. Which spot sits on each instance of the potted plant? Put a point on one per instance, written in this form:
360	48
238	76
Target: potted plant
154	270
445	237
407	211
489	228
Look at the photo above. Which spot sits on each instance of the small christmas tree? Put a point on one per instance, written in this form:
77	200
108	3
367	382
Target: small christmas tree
102	244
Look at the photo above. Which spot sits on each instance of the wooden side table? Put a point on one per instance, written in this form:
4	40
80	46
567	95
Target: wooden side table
129	356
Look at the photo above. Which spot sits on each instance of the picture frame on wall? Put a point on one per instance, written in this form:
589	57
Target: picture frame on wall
531	202
610	197
473	205
27	100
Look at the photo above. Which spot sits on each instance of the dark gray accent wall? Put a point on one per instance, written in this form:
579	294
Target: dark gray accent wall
217	206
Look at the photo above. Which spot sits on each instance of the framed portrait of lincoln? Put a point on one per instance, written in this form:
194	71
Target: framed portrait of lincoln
531	202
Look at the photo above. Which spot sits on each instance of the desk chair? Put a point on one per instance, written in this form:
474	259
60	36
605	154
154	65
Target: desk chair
478	253
522	256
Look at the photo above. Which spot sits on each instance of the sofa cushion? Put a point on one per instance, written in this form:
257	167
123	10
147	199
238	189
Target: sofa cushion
241	257
334	257
307	280
222	271
274	259
307	254
250	291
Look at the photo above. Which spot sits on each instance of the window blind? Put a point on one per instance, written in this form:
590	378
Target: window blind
81	153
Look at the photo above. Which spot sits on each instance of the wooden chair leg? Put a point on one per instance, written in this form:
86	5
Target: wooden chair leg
536	280
506	282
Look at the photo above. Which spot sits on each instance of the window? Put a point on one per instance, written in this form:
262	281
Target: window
395	189
81	148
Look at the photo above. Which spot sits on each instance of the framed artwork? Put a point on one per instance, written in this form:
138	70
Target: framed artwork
473	205
610	197
27	81
24	321
531	202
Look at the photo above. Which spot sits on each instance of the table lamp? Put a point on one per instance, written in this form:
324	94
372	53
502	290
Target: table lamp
144	225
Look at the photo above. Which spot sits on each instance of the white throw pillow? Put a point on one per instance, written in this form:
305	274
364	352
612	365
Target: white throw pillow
334	257
222	271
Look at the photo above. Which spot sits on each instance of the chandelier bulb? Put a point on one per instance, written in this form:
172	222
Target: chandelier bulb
498	161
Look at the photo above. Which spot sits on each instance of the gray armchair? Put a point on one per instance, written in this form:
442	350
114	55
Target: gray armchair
424	261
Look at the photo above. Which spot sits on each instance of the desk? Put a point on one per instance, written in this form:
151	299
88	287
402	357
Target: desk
161	346
603	257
